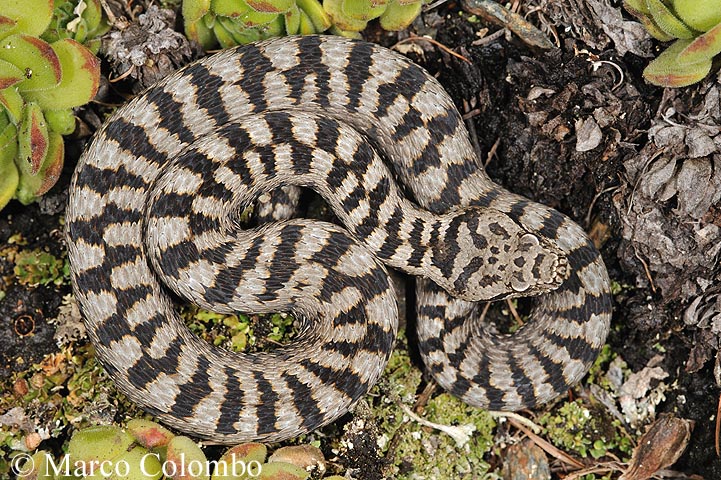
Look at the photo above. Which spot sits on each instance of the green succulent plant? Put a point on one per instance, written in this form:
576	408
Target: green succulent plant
232	22
147	451
40	84
81	20
354	15
696	26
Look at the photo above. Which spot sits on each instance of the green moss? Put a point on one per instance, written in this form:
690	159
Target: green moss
67	388
586	431
282	327
419	448
597	372
412	449
616	287
170	4
232	332
593	476
240	333
37	267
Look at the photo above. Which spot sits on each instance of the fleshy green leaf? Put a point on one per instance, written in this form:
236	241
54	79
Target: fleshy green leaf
38	466
229	8
667	71
60	121
8	26
317	15
639	9
282	471
398	17
182	452
305	26
701	15
292	20
270	6
226	32
93	15
32	16
703	47
193	10
274	28
303	456
655	31
35	58
141	465
149	434
81	30
240	462
636	7
345	33
49	173
13	104
98	443
254	18
9	74
199	31
33	140
665	18
363	9
9	175
80	77
334	8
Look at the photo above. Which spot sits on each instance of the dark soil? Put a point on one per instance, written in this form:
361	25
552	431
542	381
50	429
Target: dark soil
535	155
25	333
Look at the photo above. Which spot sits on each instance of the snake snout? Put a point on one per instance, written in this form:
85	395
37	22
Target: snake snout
537	266
505	260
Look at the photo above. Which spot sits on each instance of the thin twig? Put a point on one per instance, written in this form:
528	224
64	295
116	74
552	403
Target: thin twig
488	38
604	467
514	312
461	434
515	419
125	74
422	399
545	445
587	220
438	44
492	152
496	13
471	130
433	5
470	113
646	269
718	427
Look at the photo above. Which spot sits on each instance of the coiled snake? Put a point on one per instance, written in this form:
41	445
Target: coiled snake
155	201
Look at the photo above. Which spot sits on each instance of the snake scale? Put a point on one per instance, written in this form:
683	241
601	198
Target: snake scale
154	211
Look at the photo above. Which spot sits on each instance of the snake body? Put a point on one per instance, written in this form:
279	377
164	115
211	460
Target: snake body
155	202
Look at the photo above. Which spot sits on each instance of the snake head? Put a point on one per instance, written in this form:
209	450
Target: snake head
489	256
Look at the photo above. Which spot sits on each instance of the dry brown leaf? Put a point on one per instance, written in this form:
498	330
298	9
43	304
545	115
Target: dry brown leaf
659	447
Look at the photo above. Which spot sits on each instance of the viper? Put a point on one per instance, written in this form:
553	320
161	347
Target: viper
154	213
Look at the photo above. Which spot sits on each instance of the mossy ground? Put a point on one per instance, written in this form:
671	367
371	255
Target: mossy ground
69	390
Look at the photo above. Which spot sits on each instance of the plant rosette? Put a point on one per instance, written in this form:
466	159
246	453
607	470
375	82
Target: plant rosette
354	15
40	84
233	22
81	20
696	26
